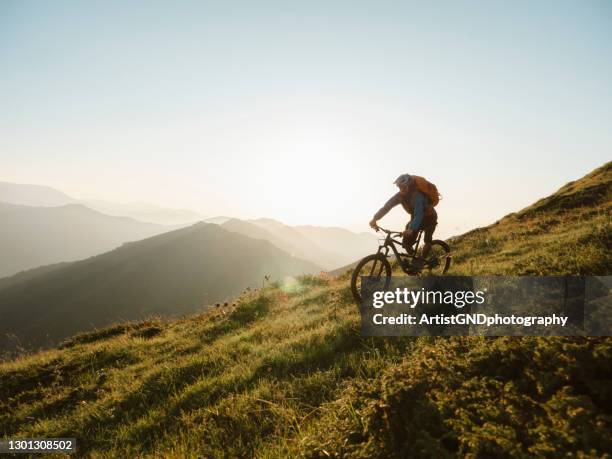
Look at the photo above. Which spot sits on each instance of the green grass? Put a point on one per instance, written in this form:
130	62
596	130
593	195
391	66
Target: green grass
284	372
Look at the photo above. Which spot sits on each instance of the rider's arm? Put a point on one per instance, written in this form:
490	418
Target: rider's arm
419	211
390	204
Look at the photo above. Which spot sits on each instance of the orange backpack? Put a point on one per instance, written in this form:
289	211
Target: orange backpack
428	189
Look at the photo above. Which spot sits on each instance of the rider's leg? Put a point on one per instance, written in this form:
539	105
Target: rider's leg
408	241
428	229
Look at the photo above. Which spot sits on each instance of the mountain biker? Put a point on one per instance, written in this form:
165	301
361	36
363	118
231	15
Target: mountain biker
423	215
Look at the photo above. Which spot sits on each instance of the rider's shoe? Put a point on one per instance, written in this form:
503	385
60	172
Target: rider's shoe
406	264
409	266
418	263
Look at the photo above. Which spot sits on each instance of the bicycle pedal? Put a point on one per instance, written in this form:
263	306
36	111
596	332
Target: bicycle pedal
406	264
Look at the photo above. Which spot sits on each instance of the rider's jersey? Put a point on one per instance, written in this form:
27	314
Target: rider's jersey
415	203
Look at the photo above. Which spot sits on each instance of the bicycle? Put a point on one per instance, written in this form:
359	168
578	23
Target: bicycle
438	260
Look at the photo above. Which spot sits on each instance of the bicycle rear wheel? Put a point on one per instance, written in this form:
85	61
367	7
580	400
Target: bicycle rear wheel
438	259
375	265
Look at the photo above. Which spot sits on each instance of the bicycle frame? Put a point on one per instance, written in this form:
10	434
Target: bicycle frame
390	243
409	262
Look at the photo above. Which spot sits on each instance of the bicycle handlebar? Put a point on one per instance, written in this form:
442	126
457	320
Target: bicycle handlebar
388	231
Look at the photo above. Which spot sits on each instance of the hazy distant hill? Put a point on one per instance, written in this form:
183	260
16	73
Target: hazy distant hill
217	220
303	246
350	246
172	273
249	229
44	196
33	195
35	236
331	247
146	212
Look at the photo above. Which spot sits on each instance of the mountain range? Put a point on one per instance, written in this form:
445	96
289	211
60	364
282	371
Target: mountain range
41	225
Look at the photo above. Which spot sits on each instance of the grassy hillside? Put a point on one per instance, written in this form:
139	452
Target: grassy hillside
284	372
568	232
173	273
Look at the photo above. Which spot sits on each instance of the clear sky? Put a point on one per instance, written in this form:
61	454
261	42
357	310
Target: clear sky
306	111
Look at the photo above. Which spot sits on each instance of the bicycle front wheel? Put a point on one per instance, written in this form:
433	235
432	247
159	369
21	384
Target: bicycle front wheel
375	265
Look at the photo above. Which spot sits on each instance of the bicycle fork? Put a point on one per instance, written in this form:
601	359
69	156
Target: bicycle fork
380	251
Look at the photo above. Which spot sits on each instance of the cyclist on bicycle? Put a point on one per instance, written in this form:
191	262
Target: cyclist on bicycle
422	213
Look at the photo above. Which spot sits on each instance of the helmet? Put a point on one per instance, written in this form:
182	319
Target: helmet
403	180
